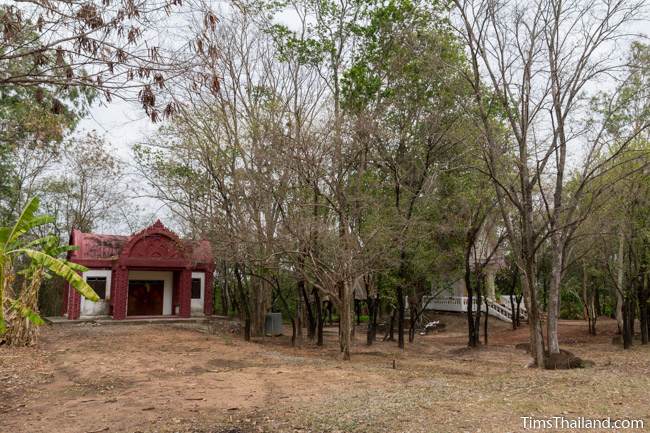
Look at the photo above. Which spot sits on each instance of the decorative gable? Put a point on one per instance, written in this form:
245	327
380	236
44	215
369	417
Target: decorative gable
156	241
156	246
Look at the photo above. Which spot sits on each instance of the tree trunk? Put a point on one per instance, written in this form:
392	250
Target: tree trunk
642	295
513	310
473	310
373	307
311	330
587	301
471	324
247	329
477	318
369	330
554	295
628	320
485	324
472	321
319	317
643	319
534	322
414	315
243	304
225	295
527	267
591	310
390	333
400	315
647	321
21	331
299	313
260	304
597	304
345	321
330	308
620	280
357	310
285	304
401	307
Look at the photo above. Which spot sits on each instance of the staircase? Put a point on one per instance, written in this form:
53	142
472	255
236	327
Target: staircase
505	302
459	304
499	311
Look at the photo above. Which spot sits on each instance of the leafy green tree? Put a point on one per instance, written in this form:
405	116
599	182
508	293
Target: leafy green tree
34	119
402	91
26	261
620	196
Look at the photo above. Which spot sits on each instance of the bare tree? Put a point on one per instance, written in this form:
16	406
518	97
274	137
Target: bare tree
85	188
536	64
221	166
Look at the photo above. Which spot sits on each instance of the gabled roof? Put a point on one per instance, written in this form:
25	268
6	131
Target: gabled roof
94	247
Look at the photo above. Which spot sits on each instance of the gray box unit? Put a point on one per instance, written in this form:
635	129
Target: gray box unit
273	324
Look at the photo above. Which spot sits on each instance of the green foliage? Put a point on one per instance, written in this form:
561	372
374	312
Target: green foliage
25	312
10	236
15	247
570	305
631	107
408	53
619	194
290	46
404	88
63	270
34	116
505	278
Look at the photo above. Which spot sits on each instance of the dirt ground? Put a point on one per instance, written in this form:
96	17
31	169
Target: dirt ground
167	378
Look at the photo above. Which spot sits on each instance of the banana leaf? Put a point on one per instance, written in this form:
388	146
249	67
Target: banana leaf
65	271
23	224
26	312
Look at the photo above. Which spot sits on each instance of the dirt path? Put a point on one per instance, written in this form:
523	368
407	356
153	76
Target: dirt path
161	378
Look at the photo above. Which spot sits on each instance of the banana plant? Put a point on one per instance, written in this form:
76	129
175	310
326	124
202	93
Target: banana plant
39	257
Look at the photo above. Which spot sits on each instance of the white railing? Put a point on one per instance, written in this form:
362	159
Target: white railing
455	303
505	301
499	311
459	304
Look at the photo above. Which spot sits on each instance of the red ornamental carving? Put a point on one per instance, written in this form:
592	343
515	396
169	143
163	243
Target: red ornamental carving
156	246
156	241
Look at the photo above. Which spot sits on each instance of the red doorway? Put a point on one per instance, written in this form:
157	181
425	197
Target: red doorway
146	297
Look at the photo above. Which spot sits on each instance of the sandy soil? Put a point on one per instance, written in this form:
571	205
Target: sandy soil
166	378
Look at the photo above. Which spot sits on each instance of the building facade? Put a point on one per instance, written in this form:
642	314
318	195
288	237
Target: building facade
150	273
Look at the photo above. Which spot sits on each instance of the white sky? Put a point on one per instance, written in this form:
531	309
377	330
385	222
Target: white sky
122	123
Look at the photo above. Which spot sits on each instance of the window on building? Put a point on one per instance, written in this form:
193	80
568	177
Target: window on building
196	288
99	285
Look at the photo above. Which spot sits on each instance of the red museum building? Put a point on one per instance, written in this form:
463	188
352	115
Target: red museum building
150	273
